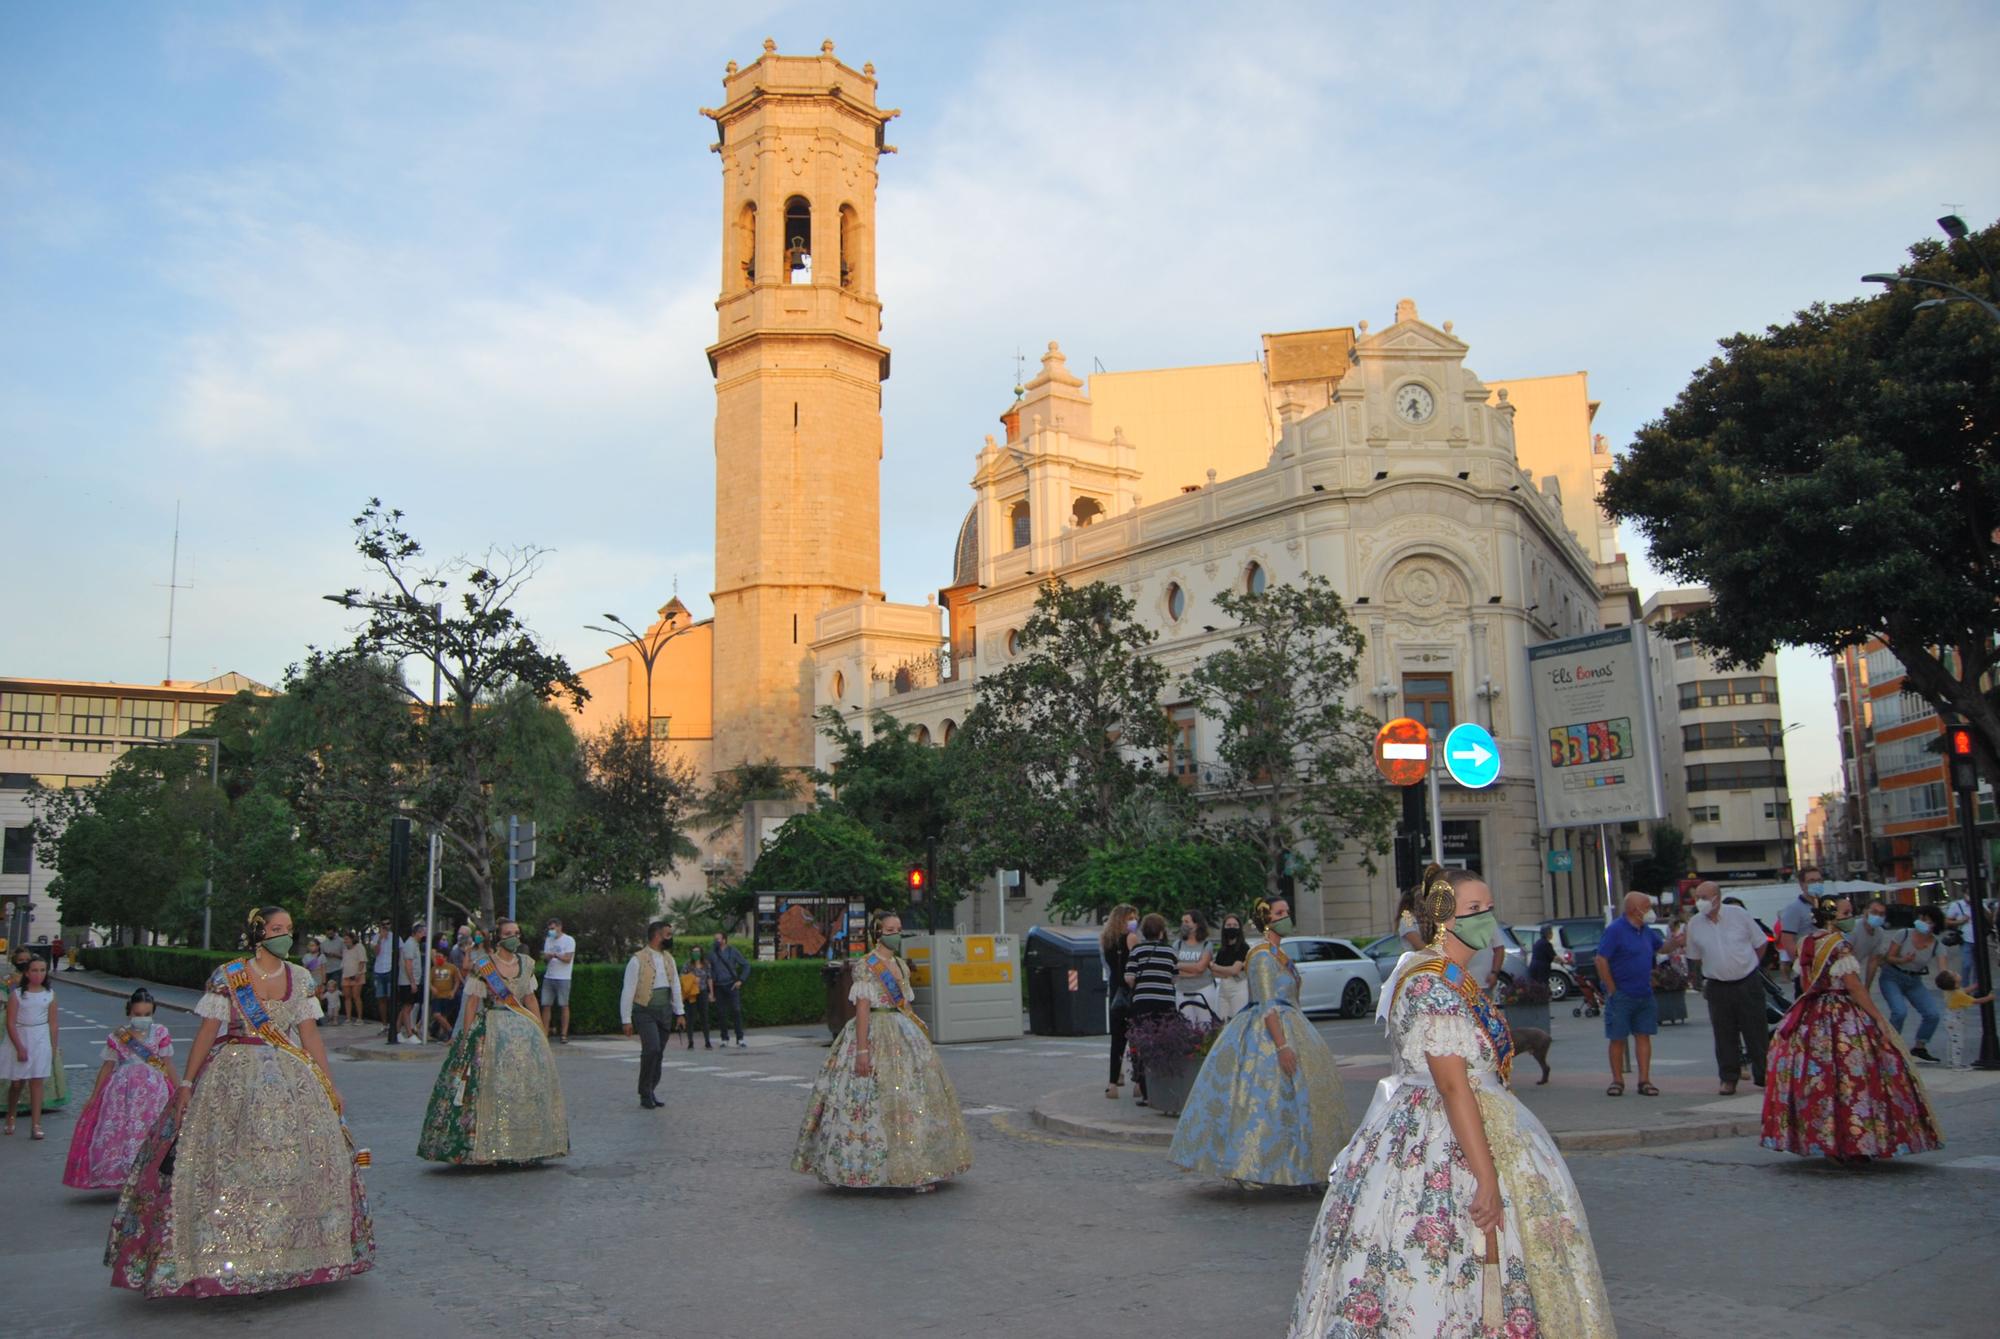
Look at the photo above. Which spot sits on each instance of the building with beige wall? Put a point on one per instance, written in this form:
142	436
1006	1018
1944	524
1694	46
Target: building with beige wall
58	733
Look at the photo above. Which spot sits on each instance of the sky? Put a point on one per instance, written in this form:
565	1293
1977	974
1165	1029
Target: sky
270	261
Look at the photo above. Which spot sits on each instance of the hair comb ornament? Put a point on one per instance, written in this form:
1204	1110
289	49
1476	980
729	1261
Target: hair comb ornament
1437	903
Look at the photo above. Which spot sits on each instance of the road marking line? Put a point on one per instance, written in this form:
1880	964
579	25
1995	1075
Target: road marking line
1984	1162
739	1073
780	1078
802	1085
984	1111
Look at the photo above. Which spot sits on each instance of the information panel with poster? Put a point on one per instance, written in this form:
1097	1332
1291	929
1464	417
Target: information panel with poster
1597	758
809	925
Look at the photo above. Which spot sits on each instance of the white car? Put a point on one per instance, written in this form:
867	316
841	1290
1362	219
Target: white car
1335	976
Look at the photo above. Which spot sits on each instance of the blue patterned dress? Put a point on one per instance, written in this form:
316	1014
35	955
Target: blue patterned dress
1245	1120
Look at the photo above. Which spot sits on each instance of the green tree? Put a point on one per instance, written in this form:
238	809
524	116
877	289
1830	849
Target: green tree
259	861
497	680
1294	762
1063	736
1169	877
900	790
1837	478
826	853
1670	860
609	924
131	851
626	826
721	806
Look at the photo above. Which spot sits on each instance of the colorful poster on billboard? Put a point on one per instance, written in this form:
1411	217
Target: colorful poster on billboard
1593	699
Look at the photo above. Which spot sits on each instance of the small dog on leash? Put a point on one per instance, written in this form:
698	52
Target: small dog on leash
1533	1041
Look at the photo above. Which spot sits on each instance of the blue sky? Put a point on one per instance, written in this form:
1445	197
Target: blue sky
272	260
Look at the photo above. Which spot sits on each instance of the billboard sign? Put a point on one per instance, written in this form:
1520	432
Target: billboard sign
1597	752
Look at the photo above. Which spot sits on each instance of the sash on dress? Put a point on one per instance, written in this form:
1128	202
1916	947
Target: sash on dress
496	985
125	1039
891	981
254	1013
1489	1018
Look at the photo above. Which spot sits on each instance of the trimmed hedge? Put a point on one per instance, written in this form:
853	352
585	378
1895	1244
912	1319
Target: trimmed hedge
778	993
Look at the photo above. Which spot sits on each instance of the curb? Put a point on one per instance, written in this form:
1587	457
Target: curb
402	1053
1572	1141
96	989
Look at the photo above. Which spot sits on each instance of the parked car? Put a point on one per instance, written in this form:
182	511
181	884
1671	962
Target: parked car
1562	982
1334	975
1576	942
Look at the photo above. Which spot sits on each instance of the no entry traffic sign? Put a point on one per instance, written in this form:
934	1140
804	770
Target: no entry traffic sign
1403	751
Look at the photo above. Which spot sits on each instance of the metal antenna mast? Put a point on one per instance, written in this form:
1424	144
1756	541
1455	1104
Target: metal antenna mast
173	587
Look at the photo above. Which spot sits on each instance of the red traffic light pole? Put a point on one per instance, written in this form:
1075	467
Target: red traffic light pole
1963	765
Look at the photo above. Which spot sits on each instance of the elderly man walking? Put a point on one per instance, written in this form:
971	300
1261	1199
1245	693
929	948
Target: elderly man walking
1725	947
1625	959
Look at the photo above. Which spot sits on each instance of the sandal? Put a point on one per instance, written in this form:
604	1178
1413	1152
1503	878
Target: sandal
1648	1090
35	1132
1113	1091
1615	1090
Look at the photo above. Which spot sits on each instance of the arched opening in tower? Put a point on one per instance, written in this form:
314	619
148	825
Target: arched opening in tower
850	247
745	243
798	240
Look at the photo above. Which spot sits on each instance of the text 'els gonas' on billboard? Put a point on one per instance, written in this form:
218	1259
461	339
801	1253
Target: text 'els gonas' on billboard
1596	759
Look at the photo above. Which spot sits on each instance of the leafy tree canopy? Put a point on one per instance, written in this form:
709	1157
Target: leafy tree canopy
826	853
1671	859
900	790
1169	877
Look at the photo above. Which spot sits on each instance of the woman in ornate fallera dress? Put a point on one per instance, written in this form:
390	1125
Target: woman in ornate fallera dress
883	1113
498	1099
134	1085
1840	1084
250	1182
1266	1108
1450	1212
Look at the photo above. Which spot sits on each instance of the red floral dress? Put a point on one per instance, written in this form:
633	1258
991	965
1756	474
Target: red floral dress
1838	1087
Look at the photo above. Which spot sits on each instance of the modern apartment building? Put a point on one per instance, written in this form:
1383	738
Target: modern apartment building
61	732
1722	752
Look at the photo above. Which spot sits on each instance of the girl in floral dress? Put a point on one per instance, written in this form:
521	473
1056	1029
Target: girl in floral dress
1840	1085
133	1088
250	1183
498	1099
883	1112
1450	1212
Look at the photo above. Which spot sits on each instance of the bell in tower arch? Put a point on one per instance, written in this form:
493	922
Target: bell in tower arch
798	240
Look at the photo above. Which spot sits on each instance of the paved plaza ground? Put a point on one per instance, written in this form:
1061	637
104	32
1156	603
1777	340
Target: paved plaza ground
689	1221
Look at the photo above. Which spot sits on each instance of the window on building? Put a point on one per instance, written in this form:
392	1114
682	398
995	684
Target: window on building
663	727
1883	665
1740	853
141	719
1085	511
195	715
1181	764
27	714
1684	651
1895	709
1427	698
949	729
1735	775
1908	802
1017	521
87	716
1176	601
18	854
1705	813
1254	579
922	734
1749	691
1772	811
1731	735
1013	641
1902	756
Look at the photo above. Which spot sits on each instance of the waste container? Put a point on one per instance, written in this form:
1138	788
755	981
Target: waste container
838	974
1066	991
965	987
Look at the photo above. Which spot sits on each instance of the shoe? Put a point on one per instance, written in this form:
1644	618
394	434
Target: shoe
1728	1089
706	1046
648	1101
1919	1053
742	1045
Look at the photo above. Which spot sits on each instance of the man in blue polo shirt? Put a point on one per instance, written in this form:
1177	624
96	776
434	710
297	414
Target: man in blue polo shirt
1625	958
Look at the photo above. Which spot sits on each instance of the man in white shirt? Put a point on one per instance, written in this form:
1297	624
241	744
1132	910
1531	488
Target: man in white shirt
651	980
412	979
1725	948
1958	916
558	965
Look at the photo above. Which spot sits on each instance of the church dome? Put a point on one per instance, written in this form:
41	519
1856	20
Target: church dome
965	554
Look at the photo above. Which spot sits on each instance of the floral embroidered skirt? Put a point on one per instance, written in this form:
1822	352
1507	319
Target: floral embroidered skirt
899	1127
1246	1121
1836	1087
1394	1254
261	1193
498	1099
113	1126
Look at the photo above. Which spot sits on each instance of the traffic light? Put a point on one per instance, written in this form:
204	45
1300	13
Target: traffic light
914	881
1963	761
521	848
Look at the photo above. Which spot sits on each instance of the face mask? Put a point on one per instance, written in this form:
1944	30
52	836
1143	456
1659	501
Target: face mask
511	942
279	945
1282	925
1815	888
1477	930
1875	922
892	942
146	1017
1231	933
1651	917
1708	906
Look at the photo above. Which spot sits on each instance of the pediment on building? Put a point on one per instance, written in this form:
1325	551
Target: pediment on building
1411	337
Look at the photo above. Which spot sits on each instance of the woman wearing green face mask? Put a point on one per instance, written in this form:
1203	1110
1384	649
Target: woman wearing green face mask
883	1112
263	1191
1447	1156
1267	1107
498	1099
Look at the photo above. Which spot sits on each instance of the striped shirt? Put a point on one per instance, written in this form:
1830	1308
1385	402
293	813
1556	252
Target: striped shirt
1154	968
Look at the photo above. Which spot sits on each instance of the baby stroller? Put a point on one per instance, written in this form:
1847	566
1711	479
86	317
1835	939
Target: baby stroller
1593	1002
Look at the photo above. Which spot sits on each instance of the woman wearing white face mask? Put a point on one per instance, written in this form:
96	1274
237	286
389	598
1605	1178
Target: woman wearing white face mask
1450	1211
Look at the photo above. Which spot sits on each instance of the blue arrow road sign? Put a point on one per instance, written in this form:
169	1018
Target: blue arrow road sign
1471	756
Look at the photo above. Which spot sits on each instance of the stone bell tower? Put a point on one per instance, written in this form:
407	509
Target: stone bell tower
799	365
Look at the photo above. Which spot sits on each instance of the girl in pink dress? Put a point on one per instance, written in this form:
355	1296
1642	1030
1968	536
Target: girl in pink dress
133	1088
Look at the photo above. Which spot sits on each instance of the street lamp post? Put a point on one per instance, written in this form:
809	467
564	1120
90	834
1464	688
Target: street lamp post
1954	228
644	645
431	876
1781	794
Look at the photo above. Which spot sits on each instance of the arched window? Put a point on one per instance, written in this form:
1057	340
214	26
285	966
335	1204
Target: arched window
947	730
1086	510
839	685
850	247
1013	641
798	240
1176	601
1254	579
745	244
1017	519
923	734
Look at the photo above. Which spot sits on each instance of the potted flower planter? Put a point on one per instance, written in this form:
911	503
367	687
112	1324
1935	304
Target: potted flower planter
1673	1005
1171	1048
1168	1084
1527	1015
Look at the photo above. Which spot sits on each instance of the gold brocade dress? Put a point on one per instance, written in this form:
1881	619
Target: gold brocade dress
1244	1120
498	1099
256	1190
898	1127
